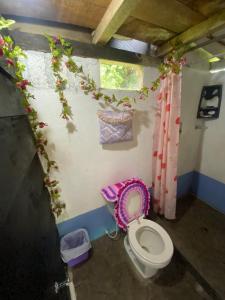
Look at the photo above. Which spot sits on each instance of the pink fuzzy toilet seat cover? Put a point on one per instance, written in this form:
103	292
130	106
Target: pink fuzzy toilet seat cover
119	194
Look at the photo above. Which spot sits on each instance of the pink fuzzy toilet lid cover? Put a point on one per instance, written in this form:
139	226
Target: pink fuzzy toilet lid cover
121	195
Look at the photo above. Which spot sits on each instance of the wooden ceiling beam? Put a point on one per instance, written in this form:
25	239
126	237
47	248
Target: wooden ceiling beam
115	15
194	33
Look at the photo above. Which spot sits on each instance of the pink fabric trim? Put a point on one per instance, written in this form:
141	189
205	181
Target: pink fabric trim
122	190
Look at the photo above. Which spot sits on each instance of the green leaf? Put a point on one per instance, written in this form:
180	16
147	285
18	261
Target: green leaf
5	23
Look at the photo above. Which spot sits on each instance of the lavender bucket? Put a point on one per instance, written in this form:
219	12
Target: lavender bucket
75	247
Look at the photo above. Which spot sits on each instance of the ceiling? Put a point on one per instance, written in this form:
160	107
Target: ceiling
152	21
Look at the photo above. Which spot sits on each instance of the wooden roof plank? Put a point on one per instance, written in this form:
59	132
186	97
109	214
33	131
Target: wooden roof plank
205	7
169	14
143	31
115	15
86	13
194	33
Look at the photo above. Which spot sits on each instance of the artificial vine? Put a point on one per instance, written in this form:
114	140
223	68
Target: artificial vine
59	48
11	54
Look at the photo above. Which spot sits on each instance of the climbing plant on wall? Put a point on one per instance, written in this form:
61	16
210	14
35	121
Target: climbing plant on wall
60	47
10	54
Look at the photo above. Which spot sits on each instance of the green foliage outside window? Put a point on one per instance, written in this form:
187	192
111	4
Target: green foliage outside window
123	76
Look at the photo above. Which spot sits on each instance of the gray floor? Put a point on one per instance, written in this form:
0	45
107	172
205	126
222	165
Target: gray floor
108	275
199	235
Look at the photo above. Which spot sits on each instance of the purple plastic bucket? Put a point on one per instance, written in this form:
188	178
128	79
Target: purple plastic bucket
76	261
75	247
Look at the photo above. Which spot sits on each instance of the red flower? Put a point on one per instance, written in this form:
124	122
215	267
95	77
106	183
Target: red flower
183	61
56	40
22	84
2	42
159	177
9	62
42	124
1	52
168	107
178	120
175	178
155	153
127	104
153	184
28	109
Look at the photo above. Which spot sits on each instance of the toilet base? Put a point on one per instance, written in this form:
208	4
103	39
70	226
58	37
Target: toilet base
145	271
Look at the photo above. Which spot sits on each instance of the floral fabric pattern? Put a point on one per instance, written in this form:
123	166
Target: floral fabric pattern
165	146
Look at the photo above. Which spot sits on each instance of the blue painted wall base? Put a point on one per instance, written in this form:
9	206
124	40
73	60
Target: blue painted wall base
96	222
209	190
203	187
184	184
99	220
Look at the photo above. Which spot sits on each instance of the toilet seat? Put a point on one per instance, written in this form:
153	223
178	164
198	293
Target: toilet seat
160	259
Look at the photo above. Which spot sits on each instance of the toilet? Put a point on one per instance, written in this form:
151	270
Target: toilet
147	244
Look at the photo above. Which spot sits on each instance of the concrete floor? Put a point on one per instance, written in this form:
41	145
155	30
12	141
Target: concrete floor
108	275
198	264
199	235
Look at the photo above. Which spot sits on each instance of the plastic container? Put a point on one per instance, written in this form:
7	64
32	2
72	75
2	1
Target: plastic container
75	247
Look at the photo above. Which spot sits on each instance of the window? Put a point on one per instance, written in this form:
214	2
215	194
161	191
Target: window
121	76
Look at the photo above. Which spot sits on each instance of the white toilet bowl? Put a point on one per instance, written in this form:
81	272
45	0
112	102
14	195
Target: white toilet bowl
147	243
149	246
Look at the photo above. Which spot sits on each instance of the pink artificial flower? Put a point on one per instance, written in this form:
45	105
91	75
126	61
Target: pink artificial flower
22	84
42	124
28	109
183	61
56	40
2	42
126	104
9	62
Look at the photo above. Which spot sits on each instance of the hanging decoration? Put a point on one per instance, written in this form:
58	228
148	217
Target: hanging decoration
10	55
60	47
115	126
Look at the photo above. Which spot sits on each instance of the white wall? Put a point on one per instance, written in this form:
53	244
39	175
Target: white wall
190	137
85	165
201	149
212	156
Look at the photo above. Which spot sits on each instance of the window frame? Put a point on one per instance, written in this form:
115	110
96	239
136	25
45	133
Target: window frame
138	67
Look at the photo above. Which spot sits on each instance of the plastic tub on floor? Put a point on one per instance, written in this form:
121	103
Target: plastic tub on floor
75	247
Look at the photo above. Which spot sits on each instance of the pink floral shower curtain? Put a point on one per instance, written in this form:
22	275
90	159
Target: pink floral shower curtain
165	146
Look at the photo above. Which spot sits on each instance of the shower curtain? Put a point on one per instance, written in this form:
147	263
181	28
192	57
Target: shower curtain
165	146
